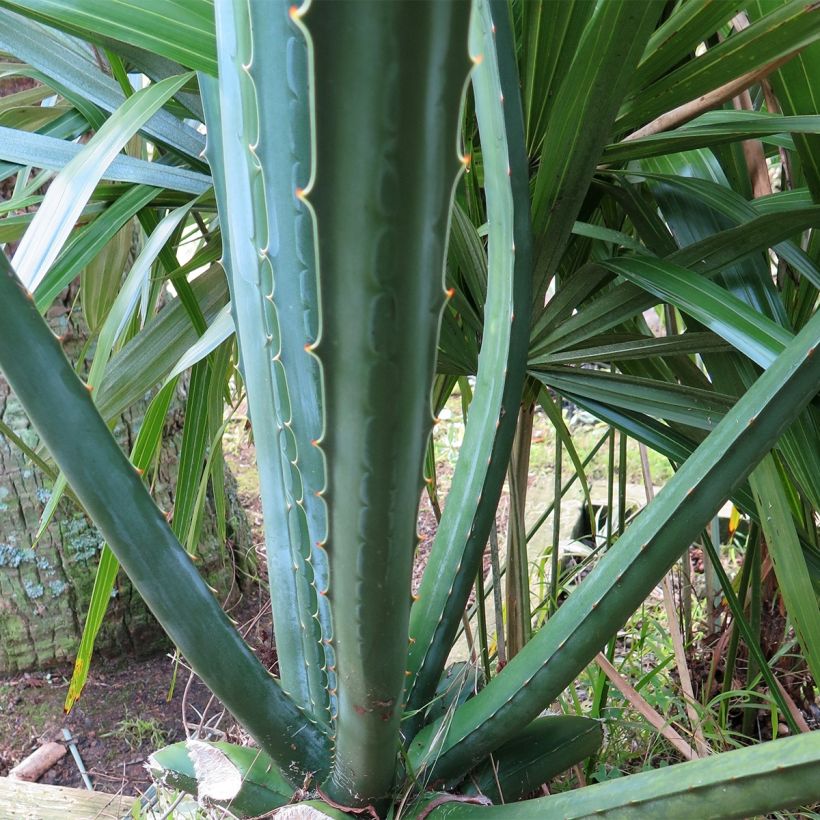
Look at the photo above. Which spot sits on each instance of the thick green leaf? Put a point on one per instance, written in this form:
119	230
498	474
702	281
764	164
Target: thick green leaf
381	300
148	441
548	746
115	324
470	510
270	262
214	770
781	774
140	536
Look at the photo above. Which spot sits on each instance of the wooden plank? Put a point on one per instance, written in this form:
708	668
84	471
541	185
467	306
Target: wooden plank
36	801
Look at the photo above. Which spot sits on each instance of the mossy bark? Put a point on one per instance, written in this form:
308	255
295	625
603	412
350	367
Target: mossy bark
45	588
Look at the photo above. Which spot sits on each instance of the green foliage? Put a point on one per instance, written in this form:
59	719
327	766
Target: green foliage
548	746
737	784
137	732
587	198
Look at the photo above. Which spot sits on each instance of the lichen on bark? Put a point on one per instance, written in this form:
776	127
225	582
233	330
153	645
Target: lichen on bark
45	587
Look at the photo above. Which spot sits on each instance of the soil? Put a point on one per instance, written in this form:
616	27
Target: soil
125	712
31	711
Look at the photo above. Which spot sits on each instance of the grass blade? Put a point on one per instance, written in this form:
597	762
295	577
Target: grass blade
782	32
588	100
150	356
748	330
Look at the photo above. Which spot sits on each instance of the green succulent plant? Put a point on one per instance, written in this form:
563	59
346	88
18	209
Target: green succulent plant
348	188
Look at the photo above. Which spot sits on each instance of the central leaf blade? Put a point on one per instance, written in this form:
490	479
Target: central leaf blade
388	78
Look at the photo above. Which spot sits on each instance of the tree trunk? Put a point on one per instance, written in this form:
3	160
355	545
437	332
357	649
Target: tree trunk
45	588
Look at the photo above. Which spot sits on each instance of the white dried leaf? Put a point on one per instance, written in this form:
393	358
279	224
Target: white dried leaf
216	776
299	811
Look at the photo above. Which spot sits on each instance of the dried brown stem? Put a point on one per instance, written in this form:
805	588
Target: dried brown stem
640	705
706	102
